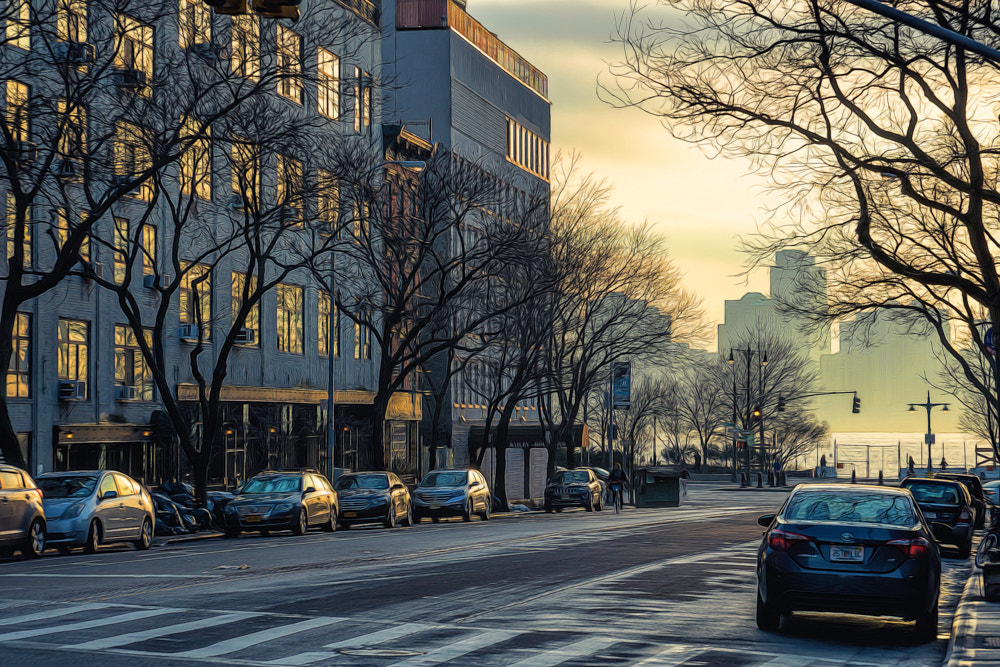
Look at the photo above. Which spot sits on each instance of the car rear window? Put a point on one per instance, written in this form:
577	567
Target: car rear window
934	493
853	507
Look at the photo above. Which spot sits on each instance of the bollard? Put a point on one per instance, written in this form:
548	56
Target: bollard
880	478
760	481
743	480
854	476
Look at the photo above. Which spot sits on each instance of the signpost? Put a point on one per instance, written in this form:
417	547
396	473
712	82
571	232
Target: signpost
621	385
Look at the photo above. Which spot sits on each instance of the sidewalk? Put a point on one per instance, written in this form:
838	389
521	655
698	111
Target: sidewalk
975	631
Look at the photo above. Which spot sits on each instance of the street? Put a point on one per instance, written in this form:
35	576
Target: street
651	587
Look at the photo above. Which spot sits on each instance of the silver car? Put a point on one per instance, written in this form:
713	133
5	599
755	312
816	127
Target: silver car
22	519
461	493
93	507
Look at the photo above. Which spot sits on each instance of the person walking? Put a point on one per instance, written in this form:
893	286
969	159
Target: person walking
685	476
822	466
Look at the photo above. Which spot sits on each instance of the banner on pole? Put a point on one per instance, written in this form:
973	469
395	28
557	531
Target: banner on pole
621	385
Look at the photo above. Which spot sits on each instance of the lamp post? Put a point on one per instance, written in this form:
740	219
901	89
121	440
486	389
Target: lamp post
331	405
929	436
747	422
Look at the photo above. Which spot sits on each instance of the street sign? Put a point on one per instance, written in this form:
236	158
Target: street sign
929	438
621	385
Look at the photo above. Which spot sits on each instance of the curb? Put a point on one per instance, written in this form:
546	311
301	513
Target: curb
961	650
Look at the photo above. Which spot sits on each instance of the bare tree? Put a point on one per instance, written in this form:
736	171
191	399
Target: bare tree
702	401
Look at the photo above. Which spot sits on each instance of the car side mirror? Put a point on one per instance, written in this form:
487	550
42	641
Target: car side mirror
310	489
473	485
108	495
397	487
765	519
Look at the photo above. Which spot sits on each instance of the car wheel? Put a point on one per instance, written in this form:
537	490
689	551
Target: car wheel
93	538
331	523
983	550
408	519
548	508
417	518
600	503
926	626
390	517
435	519
467	514
485	514
34	541
768	615
146	536
589	505
302	525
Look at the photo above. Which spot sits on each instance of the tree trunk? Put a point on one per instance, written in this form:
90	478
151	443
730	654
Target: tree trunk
9	445
503	429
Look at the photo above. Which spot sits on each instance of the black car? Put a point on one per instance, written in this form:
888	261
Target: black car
283	500
976	490
854	549
366	497
574	488
947	502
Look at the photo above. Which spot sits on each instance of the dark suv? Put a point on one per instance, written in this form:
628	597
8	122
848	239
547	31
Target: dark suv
22	517
283	500
574	488
947	502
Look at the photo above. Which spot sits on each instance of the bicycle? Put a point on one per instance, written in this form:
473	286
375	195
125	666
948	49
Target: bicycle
616	496
987	551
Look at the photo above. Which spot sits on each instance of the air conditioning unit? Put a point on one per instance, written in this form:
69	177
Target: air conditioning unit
74	53
25	150
188	332
67	169
72	390
246	337
236	203
126	393
161	281
128	78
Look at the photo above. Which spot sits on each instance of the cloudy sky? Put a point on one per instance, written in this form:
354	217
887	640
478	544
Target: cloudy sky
701	205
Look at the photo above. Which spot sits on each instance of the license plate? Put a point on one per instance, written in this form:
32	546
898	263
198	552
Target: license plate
253	518
350	515
847	554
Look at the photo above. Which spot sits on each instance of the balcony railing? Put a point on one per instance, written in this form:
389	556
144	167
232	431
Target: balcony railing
366	9
446	14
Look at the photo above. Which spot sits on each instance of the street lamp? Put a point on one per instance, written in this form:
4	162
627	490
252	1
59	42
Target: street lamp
331	436
929	436
747	422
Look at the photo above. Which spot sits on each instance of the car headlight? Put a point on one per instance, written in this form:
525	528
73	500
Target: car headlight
283	507
378	500
72	511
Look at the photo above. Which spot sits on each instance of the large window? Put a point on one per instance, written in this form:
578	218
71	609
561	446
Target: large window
246	46
73	140
63	229
148	250
323	324
120	249
253	316
71	20
196	296
134	51
196	161
74	341
195	23
356	98
18	14
290	323
289	64
19	370
17	110
131	369
329	84
132	158
527	150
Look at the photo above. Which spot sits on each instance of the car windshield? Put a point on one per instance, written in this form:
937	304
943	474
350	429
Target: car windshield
942	494
363	482
272	484
444	479
571	477
854	507
71	486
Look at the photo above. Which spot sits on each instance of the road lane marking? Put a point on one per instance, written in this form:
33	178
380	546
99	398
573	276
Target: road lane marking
53	613
459	648
240	643
85	625
566	653
115	576
152	633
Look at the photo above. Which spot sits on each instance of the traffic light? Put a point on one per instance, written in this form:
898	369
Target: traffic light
781	403
228	6
856	408
756	414
283	9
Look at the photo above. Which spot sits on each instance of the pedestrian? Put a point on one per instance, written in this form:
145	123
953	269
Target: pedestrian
944	464
909	467
822	466
697	461
777	472
685	476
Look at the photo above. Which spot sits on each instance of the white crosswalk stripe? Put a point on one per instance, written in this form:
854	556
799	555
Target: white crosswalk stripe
579	649
54	613
246	641
458	649
84	625
163	631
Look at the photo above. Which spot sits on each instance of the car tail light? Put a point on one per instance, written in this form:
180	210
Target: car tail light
41	495
782	540
964	516
913	548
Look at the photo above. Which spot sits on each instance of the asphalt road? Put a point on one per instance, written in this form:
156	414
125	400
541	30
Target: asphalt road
650	587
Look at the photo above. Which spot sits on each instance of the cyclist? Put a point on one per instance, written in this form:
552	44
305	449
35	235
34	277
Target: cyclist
617	480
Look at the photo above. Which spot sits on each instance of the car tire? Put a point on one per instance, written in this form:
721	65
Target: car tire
467	514
93	538
145	536
768	615
390	517
302	525
331	524
34	540
983	550
600	503
589	505
435	519
926	627
417	518
485	514
408	519
548	508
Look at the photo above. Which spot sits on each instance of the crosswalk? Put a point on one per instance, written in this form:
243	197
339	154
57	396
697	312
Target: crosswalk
227	637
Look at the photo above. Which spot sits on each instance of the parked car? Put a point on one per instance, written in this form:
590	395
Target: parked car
602	477
93	507
452	493
293	500
22	515
854	549
948	502
975	487
574	488
992	491
366	497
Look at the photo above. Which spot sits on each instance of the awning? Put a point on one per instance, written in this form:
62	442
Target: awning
238	394
89	434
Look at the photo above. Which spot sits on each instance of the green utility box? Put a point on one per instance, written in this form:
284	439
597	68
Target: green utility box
658	486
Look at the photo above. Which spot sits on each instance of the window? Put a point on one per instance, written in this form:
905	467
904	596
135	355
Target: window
19	370
323	324
362	337
71	20
359	220
253	317
73	140
120	249
17	110
527	150
328	200
289	64
246	45
289	319
356	95
74	339
196	295
148	250
195	23
246	172
196	161
63	229
290	186
367	108
131	369
134	50
18	23
329	84
132	158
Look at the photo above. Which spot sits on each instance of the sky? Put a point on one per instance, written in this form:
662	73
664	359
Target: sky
700	205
